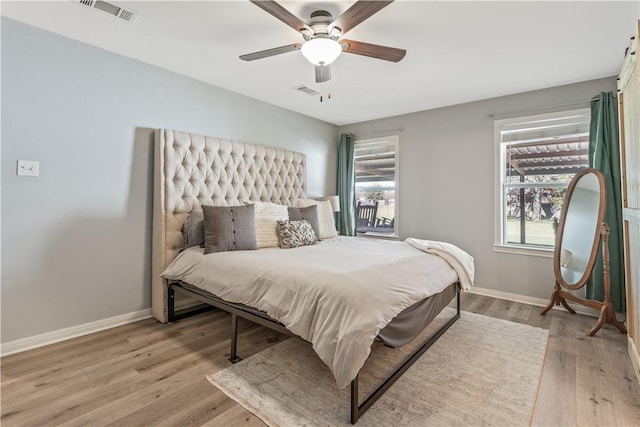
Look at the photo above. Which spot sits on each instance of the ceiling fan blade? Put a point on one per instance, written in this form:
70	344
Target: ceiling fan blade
274	8
323	73
271	52
357	13
373	50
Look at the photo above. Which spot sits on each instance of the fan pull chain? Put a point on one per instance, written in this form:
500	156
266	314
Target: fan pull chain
322	92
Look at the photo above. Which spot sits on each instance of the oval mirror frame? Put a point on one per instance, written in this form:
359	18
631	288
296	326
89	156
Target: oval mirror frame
595	245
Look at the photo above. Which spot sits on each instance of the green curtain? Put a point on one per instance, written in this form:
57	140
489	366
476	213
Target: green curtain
604	155
346	186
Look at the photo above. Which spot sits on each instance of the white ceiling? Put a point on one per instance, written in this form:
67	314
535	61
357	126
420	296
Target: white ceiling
456	51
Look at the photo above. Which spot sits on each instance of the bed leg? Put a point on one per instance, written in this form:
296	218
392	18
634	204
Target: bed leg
355	413
233	355
458	300
171	304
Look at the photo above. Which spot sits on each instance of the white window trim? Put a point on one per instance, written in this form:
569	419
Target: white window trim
396	177
498	225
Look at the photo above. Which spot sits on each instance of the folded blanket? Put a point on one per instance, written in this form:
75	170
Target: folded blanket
458	259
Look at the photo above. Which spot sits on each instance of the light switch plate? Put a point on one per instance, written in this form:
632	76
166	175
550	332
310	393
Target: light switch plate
28	168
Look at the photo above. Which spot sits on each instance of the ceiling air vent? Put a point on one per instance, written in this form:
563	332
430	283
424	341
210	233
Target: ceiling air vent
307	90
128	15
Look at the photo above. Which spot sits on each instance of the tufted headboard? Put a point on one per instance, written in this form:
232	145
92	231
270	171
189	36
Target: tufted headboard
193	170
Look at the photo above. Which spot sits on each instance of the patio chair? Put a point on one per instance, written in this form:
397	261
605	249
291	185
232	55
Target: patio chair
385	222
366	215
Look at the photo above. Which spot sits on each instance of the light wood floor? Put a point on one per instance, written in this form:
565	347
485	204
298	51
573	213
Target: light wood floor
146	373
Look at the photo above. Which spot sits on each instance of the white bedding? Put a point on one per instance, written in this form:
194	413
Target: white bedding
336	294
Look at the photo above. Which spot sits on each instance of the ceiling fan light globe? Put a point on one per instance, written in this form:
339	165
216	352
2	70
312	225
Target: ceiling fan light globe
321	51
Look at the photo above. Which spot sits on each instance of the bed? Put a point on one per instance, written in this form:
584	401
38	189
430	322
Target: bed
328	293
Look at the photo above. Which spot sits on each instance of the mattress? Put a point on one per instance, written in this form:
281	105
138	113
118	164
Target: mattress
338	294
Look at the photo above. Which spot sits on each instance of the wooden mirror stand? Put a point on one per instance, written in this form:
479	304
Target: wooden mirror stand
580	232
607	314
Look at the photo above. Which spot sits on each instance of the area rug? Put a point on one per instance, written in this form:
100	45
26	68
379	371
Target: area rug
482	371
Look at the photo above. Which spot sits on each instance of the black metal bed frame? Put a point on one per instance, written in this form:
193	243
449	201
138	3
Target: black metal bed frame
357	410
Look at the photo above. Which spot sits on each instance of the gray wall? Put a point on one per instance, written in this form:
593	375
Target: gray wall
446	180
76	239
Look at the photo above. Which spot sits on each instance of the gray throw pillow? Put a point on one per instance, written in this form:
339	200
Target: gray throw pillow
193	229
229	228
307	214
293	234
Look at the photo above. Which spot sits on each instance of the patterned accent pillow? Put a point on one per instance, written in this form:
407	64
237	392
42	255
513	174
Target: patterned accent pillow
294	234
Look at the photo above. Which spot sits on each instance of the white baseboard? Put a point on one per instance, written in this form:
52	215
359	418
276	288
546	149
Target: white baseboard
635	357
47	338
531	300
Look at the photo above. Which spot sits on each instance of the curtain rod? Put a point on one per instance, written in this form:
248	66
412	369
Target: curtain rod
584	101
380	132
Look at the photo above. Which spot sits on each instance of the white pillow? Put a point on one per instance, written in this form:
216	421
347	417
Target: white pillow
326	221
305	203
267	216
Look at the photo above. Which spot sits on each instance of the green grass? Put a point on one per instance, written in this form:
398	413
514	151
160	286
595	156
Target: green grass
536	233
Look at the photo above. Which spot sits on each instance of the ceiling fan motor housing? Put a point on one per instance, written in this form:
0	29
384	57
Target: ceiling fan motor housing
319	25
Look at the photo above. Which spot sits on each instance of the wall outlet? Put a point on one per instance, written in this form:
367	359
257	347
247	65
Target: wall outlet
28	168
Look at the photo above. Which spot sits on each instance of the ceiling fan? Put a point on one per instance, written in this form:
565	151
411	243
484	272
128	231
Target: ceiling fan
322	34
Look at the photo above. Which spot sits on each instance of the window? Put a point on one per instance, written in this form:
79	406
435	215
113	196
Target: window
537	157
376	170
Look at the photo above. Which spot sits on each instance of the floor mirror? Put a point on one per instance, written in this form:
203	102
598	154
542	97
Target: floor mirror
581	233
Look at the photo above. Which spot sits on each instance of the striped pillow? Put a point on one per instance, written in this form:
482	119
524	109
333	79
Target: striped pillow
267	215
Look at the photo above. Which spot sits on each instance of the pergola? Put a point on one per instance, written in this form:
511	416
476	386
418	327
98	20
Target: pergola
566	156
560	156
375	168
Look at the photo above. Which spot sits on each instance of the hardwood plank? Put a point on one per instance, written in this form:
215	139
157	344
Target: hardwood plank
535	319
519	311
556	402
99	390
76	400
71	402
118	362
80	352
499	309
144	396
475	303
594	391
625	385
107	410
45	357
605	391
193	405
235	416
119	365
